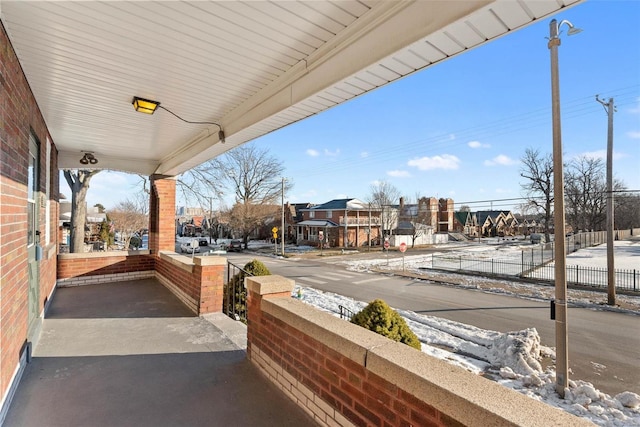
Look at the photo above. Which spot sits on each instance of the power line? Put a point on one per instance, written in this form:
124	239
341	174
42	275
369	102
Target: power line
532	119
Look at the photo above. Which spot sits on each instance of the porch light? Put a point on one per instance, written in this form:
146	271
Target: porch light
88	158
146	106
149	107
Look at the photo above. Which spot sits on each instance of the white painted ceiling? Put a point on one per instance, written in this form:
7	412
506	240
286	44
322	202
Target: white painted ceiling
250	66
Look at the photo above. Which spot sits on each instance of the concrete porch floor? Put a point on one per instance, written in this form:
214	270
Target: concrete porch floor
131	354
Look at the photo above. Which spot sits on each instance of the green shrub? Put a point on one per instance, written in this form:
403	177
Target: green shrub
234	292
257	268
382	319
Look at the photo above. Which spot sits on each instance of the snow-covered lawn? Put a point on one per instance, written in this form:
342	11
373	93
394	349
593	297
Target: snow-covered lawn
513	359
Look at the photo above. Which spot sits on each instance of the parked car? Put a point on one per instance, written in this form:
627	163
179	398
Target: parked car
186	247
234	246
538	238
202	241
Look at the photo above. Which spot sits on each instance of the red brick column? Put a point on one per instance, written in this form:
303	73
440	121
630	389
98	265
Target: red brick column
259	288
162	214
209	273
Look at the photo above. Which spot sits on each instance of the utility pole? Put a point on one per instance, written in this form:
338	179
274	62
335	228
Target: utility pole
562	340
210	217
282	232
611	276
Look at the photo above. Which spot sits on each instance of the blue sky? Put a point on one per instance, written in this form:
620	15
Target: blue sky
459	128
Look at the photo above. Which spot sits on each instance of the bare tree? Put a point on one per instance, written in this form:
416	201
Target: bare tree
128	218
586	193
78	181
537	170
384	197
627	210
419	217
256	179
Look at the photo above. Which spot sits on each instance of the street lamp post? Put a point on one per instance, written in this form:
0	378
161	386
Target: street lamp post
282	228
562	359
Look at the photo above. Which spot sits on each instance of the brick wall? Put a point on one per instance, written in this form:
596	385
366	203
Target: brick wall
20	117
103	267
344	375
197	282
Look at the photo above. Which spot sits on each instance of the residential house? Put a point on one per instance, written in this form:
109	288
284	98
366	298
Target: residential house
497	223
341	222
465	222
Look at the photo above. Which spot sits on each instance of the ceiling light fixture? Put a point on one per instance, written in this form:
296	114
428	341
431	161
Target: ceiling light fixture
148	106
88	158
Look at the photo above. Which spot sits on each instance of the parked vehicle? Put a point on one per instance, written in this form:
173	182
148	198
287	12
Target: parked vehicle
203	241
537	238
186	247
234	246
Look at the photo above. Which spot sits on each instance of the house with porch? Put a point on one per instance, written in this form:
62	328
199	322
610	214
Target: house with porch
157	88
343	223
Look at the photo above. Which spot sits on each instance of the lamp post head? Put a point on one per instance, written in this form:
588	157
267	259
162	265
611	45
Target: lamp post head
572	30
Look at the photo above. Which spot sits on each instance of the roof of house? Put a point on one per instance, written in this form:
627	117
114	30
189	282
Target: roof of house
337	204
318	223
462	216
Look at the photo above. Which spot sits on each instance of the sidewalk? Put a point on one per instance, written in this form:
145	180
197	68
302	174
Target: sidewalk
130	354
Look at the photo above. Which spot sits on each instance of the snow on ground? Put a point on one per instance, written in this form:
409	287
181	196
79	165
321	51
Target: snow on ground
627	256
513	359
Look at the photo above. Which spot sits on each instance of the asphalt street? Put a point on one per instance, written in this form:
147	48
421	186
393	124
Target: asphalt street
604	347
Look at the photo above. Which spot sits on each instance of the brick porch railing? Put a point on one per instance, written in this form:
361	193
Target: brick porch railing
342	374
197	282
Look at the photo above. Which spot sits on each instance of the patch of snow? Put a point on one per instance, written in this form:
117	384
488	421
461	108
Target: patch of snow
513	359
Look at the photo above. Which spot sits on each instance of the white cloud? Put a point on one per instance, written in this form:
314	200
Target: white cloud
332	153
477	144
501	160
634	134
452	136
364	154
399	174
313	153
445	161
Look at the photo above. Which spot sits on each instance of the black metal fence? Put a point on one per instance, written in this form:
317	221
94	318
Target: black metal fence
234	302
345	313
575	274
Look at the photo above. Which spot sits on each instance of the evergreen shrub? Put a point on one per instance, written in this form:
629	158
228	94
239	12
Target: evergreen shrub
382	319
234	292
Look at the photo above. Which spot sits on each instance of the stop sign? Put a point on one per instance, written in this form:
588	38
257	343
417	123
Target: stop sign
403	247
386	244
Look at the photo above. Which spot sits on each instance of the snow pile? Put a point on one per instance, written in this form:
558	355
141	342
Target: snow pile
519	351
513	359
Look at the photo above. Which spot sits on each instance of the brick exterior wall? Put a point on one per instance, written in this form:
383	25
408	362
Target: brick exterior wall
20	117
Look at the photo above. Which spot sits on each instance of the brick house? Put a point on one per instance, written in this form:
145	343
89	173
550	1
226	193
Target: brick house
342	222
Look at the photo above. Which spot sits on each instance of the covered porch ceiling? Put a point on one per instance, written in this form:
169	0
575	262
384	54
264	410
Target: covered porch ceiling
250	66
